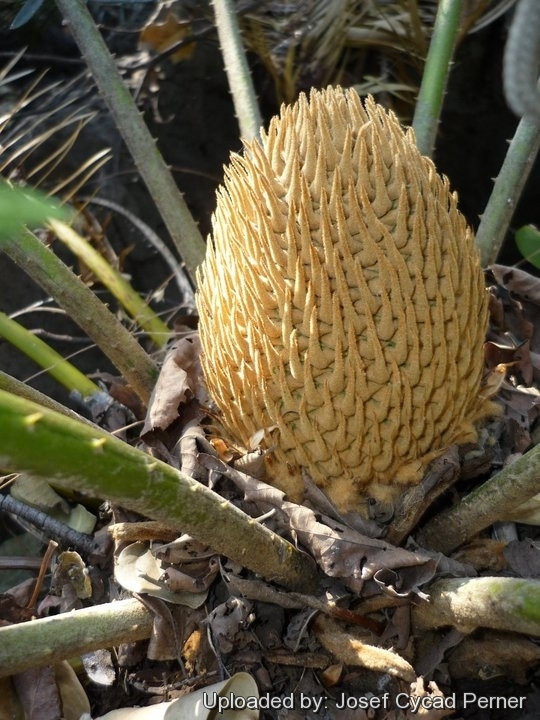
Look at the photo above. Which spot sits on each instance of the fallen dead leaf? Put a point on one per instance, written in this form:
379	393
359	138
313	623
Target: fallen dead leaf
179	381
160	36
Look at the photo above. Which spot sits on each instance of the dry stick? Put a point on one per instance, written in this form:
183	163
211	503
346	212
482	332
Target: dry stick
59	531
49	640
84	308
491	502
412	505
52	546
168	199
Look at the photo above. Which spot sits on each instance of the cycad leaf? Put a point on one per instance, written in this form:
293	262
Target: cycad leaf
26	13
20	207
528	244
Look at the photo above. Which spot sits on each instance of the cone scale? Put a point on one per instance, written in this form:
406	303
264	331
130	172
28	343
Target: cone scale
342	304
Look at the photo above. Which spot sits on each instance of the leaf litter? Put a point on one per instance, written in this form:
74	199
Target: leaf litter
354	639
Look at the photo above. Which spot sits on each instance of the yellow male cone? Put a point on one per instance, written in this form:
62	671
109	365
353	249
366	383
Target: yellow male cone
342	304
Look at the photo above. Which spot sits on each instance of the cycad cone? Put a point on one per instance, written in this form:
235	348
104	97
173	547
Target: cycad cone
342	304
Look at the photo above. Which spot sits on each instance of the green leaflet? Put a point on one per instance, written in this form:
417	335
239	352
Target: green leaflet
528	244
23	206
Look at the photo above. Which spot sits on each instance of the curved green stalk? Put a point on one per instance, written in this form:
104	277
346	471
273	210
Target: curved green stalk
236	67
507	189
75	456
47	358
435	76
85	309
140	311
168	199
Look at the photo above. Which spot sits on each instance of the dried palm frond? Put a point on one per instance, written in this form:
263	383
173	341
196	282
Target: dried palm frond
305	43
40	123
300	43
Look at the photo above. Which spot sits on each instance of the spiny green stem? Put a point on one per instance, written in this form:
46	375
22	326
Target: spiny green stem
236	67
168	199
22	390
47	358
435	76
73	455
85	309
507	189
140	311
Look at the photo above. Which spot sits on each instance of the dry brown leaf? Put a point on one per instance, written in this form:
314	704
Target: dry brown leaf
228	623
192	442
109	412
240	685
167	631
160	36
10	708
183	550
514	347
138	570
338	550
494	655
179	381
70	569
38	694
518	281
75	703
431	648
99	667
198	579
504	358
523	557
13	604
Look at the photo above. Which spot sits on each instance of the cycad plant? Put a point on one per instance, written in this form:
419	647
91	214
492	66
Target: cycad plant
343	315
